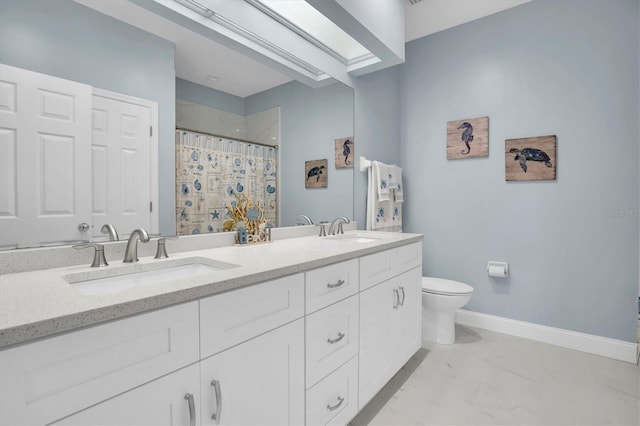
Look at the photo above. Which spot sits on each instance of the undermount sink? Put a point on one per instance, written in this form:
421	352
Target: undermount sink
107	281
355	238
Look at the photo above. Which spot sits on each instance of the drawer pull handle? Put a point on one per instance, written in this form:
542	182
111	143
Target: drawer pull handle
403	295
218	395
335	407
397	299
337	339
338	284
192	409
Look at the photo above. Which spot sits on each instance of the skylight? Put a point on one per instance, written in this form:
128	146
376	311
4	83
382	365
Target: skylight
307	21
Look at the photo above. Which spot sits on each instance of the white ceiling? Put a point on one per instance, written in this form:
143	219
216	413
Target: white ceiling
197	57
430	16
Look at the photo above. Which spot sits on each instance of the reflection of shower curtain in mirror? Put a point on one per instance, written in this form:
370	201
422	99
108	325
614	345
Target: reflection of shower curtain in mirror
211	170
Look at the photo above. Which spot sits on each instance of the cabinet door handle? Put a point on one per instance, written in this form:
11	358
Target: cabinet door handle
337	339
403	295
335	407
397	300
337	284
218	395
192	409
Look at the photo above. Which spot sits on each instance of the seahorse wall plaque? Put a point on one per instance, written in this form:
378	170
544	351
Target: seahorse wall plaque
315	174
530	158
468	138
344	152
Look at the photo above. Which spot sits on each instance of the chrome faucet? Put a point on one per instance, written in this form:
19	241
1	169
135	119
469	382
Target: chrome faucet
303	219
131	252
110	230
338	222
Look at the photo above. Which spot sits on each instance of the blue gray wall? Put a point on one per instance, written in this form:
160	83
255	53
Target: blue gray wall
310	121
202	95
563	67
377	124
67	40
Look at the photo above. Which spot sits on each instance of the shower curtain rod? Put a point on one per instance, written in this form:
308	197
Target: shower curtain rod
227	137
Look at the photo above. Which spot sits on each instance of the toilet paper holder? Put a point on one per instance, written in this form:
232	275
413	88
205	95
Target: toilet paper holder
498	269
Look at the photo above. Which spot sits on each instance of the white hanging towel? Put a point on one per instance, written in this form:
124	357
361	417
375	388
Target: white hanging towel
395	183
383	212
381	173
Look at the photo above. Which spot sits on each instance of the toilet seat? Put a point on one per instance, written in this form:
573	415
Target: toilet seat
445	287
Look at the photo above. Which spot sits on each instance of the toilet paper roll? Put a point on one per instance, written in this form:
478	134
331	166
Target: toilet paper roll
499	271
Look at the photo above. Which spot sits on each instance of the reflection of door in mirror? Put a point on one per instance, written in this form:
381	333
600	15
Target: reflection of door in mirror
121	164
56	185
44	164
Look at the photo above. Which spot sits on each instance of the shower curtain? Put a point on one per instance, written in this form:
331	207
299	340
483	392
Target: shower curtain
211	170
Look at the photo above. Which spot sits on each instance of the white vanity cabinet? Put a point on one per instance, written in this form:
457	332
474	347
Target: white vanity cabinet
171	400
308	348
259	382
331	336
46	380
390	320
252	349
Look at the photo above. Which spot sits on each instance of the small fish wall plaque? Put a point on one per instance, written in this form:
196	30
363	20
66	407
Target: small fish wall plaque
530	158
315	174
468	138
344	153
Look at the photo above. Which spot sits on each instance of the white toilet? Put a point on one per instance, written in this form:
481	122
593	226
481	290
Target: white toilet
440	299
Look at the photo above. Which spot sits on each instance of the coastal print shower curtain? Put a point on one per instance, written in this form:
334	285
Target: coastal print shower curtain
211	170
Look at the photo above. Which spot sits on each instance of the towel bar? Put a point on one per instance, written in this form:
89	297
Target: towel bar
364	163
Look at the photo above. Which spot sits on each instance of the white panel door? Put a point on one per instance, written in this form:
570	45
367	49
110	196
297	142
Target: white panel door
163	402
258	382
121	160
45	133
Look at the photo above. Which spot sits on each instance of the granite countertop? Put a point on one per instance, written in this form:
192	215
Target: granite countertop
42	303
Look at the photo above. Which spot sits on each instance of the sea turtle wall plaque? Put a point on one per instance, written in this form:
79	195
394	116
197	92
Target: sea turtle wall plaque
315	174
530	158
344	150
468	138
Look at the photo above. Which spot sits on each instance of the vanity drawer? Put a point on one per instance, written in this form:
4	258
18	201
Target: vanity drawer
408	257
334	401
330	284
49	379
378	267
331	338
230	318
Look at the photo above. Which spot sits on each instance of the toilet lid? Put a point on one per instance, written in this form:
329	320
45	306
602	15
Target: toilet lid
442	286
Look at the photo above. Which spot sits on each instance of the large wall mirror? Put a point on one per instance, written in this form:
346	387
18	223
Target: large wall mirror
66	39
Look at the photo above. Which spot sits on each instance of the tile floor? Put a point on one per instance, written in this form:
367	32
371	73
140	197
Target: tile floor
489	378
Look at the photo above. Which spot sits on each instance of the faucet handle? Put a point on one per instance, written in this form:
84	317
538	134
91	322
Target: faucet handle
98	256
323	231
161	251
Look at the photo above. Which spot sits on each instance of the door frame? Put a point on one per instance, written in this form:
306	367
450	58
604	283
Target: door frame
153	149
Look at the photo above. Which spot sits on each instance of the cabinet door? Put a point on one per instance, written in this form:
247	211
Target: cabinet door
376	311
258	382
161	402
49	379
407	320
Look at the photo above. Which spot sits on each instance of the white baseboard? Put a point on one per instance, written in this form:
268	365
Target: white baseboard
603	346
